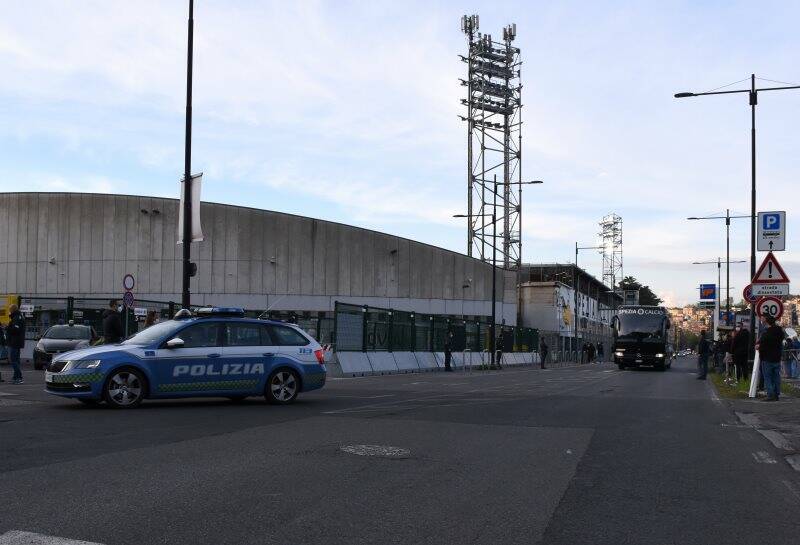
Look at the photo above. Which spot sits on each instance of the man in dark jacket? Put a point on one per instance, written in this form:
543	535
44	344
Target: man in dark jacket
703	351
16	341
448	351
112	324
740	346
770	346
543	350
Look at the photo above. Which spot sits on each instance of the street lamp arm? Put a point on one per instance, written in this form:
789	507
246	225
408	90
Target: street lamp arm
687	95
718	217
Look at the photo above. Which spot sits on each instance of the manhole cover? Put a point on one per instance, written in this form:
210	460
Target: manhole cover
384	451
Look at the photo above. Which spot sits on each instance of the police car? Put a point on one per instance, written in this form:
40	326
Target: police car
215	352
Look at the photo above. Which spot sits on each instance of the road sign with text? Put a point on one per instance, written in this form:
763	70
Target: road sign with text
771	231
763	290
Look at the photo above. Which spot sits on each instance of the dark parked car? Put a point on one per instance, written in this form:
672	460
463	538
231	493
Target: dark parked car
61	338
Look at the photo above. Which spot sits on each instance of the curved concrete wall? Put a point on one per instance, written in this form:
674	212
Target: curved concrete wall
83	244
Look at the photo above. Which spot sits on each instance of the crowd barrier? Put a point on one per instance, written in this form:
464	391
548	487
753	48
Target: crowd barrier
389	363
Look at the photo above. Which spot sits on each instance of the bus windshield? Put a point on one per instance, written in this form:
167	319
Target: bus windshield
641	325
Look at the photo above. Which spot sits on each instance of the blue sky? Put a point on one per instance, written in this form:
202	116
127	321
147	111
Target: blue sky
348	111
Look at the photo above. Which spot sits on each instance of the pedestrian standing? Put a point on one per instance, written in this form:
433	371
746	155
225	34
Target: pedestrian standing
150	319
499	349
702	356
591	352
448	351
16	341
543	350
770	346
3	348
112	324
601	355
740	346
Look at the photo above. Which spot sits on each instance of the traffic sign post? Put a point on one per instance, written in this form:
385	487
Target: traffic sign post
128	282
771	235
748	295
769	306
770	272
763	290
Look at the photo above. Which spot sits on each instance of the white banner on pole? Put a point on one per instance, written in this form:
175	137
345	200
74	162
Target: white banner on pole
197	231
754	376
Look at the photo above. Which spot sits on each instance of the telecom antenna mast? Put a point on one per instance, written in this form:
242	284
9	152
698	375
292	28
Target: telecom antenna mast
611	243
494	144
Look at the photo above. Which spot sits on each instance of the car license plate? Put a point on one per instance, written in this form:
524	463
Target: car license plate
48	376
639	361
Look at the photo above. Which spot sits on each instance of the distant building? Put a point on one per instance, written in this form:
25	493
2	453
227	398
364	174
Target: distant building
547	303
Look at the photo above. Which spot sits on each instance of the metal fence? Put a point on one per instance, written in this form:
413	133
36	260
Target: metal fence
365	328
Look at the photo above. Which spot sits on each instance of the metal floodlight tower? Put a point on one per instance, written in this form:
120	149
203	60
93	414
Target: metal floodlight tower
611	249
494	143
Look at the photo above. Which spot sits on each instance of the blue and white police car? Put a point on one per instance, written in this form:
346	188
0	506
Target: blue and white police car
215	352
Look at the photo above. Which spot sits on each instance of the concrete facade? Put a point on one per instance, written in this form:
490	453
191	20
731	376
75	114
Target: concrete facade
59	244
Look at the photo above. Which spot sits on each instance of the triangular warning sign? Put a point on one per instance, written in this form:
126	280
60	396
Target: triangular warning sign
770	272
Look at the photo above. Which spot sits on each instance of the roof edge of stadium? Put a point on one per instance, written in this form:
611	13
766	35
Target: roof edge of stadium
80	193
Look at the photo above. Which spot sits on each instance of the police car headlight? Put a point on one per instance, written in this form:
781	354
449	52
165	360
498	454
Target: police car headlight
619	354
86	364
659	355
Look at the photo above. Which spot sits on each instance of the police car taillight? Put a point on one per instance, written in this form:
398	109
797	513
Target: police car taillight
320	356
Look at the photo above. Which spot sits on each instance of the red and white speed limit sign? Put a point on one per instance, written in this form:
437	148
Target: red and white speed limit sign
770	305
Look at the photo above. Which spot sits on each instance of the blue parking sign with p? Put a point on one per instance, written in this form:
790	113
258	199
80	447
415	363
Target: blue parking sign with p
771	222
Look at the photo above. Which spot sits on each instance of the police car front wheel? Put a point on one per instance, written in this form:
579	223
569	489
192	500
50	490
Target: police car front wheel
282	387
124	389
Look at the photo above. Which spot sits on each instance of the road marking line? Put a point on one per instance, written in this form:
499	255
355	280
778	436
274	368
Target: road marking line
763	457
7	394
16	537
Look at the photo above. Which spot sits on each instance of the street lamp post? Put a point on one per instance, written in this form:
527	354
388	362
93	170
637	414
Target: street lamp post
727	217
719	288
752	93
187	172
576	286
493	215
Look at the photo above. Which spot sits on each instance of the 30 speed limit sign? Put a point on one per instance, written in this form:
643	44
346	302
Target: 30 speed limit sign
770	305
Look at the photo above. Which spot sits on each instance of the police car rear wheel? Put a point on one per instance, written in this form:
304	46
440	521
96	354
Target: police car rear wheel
282	387
124	389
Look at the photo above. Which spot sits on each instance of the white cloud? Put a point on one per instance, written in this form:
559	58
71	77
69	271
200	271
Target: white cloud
352	107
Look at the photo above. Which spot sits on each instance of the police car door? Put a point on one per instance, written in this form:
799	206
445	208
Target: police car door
245	355
194	366
291	343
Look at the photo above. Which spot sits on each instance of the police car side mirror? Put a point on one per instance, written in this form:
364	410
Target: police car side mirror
177	342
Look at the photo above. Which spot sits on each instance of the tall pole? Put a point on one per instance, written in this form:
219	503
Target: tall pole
575	287
753	102
715	322
727	266
494	272
187	171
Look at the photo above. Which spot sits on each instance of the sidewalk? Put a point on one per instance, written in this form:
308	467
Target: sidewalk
778	422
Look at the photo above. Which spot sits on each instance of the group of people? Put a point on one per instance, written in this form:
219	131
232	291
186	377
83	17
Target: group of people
734	349
14	337
591	352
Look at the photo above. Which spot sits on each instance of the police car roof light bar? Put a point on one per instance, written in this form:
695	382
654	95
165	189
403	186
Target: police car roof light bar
217	312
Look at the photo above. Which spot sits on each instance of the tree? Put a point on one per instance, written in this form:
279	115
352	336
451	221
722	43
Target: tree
646	295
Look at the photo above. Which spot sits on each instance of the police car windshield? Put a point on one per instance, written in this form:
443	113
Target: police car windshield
68	333
154	333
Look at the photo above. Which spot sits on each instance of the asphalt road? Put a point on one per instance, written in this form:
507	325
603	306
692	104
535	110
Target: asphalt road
564	456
